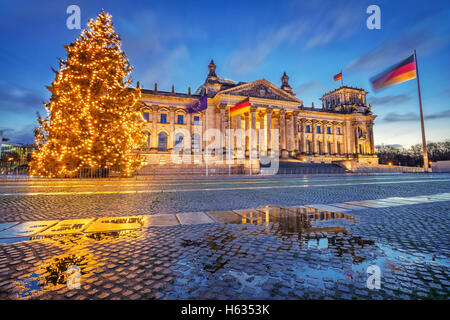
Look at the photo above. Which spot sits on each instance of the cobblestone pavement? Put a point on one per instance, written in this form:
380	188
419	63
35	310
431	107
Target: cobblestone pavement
41	200
285	257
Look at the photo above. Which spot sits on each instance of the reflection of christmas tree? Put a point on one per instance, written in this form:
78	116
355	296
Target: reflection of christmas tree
93	118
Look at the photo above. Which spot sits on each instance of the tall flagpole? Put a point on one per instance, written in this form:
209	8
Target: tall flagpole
424	141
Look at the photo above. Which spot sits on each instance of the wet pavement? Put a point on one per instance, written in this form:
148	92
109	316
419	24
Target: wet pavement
268	251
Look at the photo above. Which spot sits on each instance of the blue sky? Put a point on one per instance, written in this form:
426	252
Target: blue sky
172	42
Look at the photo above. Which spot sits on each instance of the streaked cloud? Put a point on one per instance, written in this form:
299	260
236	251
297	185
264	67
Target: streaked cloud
411	116
317	28
426	37
17	99
389	99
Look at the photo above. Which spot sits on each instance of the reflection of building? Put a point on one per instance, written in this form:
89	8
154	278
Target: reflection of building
341	130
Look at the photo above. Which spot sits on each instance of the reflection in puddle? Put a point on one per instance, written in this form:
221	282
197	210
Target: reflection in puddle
306	234
55	272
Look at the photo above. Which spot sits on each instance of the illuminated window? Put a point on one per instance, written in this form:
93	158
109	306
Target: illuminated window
162	141
338	130
196	120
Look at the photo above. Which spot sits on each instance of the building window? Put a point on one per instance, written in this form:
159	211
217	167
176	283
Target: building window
328	130
146	116
163	118
338	148
180	119
318	129
338	130
196	120
308	128
196	143
162	141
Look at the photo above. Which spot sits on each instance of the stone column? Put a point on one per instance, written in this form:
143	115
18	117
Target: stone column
313	142
289	133
172	129
355	132
348	139
261	135
325	138
252	137
370	132
334	128
247	137
238	125
283	133
303	135
154	137
269	130
222	127
295	131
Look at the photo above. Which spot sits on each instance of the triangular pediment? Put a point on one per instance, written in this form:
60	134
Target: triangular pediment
260	89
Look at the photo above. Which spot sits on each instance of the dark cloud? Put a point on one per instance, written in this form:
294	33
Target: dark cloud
18	99
389	100
411	116
24	135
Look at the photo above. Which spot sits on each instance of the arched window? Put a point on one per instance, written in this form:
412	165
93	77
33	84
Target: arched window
196	145
162	141
179	142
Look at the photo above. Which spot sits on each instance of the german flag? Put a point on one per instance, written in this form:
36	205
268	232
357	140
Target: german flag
401	72
338	77
240	108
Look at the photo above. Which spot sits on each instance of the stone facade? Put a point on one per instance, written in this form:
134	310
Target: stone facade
340	131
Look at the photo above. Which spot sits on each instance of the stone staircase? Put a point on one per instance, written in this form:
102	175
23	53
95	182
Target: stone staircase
292	166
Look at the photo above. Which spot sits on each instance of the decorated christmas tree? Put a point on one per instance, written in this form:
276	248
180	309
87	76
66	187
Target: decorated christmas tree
93	119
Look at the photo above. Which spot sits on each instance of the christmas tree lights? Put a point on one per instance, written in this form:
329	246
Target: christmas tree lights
93	119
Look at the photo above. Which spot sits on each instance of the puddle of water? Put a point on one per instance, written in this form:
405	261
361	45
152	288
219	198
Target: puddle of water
298	229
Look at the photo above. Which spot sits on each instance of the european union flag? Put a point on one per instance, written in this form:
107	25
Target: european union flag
200	105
